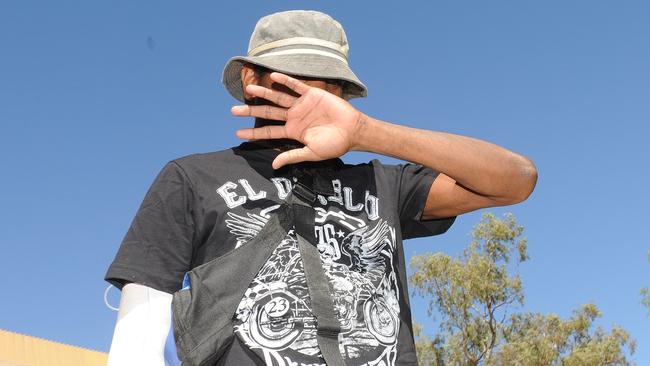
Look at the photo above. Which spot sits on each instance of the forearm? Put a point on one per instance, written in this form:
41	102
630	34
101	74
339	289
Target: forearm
477	165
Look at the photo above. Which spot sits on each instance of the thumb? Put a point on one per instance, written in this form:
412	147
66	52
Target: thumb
294	156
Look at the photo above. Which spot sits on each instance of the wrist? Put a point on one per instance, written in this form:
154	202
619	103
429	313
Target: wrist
361	132
373	135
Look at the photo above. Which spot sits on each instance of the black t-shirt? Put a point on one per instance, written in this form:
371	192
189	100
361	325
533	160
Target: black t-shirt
202	206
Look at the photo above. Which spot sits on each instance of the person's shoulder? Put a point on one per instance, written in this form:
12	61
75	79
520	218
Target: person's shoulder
381	167
345	165
397	167
199	160
203	157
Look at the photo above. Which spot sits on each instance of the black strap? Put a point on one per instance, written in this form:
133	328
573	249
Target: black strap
328	326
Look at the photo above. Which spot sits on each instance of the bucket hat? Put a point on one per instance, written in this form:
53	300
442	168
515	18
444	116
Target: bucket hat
301	43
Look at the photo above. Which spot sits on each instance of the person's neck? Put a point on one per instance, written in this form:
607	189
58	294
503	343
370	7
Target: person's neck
276	144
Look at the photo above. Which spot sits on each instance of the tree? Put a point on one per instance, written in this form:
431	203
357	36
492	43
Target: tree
645	293
474	295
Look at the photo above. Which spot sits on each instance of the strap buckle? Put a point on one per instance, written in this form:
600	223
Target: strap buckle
304	193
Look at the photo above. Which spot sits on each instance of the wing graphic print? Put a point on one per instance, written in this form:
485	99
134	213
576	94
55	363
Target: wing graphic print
245	227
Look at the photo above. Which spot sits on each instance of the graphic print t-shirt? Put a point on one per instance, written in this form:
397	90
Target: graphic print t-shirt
204	205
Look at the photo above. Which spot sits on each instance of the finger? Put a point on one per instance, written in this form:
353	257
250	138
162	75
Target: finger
262	111
294	156
295	84
277	97
262	133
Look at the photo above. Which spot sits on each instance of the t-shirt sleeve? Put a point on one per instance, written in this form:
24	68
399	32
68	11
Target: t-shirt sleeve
413	182
157	248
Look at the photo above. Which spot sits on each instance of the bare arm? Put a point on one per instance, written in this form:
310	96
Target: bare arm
474	173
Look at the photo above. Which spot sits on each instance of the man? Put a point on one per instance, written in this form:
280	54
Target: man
204	206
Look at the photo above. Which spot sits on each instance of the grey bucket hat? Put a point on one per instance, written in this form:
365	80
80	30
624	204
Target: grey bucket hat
301	43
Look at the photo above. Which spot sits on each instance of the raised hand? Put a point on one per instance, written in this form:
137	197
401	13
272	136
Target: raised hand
326	124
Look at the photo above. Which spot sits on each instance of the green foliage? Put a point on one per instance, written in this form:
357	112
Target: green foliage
645	293
430	352
645	297
539	339
475	293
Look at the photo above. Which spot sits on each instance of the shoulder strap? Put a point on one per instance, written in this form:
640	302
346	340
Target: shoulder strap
328	326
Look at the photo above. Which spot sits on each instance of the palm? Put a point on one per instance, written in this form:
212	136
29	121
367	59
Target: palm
323	122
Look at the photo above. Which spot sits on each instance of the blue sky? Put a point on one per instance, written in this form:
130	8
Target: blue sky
96	96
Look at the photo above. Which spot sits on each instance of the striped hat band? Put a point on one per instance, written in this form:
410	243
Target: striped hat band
302	45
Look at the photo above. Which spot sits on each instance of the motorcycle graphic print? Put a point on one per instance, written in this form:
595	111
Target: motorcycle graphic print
274	317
